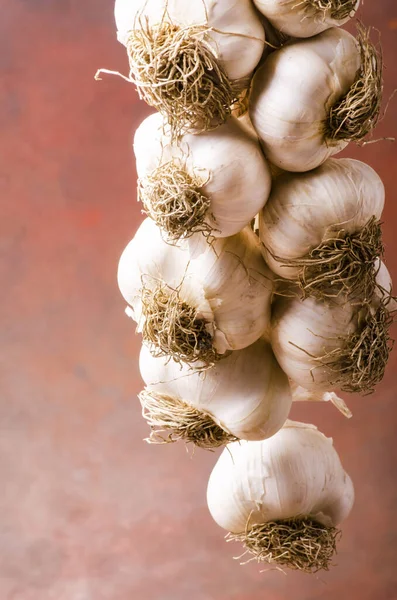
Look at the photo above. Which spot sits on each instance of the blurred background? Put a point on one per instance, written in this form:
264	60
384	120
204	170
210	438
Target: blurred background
88	511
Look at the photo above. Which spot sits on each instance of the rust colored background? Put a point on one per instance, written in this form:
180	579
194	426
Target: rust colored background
87	510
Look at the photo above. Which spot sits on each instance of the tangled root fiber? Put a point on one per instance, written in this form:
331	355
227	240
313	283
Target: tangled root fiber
171	419
174	200
357	113
360	364
344	263
336	9
301	544
174	328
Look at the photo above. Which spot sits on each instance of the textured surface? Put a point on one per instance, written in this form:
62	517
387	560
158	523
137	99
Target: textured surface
87	510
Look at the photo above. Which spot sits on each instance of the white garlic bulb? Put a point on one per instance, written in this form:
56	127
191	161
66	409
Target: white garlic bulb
306	18
197	300
322	345
321	228
189	59
246	395
313	96
274	494
215	182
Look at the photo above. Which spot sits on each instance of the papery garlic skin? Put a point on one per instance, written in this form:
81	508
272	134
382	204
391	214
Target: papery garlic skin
293	92
246	123
298	18
295	473
146	261
306	209
303	332
300	394
385	285
228	282
234	31
246	394
229	161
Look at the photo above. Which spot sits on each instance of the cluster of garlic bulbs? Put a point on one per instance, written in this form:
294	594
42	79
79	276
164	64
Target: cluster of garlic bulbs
257	277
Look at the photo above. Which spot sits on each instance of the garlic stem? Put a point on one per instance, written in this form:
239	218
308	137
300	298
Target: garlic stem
339	403
299	394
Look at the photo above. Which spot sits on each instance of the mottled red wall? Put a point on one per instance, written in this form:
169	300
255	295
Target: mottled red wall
87	510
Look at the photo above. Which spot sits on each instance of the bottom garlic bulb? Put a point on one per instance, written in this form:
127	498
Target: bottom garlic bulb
338	344
283	497
244	396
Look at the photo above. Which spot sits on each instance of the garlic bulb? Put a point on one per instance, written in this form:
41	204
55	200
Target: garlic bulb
219	43
322	345
214	182
246	396
196	301
282	497
321	228
313	96
306	18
